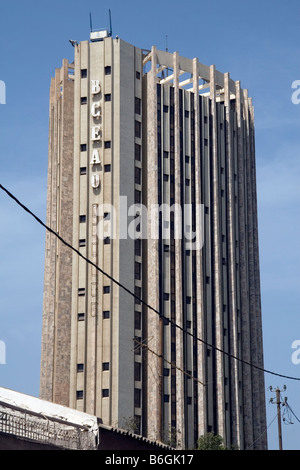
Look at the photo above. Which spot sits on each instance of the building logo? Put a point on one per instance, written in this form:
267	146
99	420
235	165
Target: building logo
2	92
296	94
2	352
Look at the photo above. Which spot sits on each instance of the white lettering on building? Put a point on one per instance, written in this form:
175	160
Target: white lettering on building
96	131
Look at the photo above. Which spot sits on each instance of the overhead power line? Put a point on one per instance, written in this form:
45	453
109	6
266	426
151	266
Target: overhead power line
137	297
288	406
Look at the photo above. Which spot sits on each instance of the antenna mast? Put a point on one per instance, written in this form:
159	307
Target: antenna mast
110	24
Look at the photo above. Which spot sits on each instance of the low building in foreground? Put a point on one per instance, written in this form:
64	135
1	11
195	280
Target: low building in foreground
29	423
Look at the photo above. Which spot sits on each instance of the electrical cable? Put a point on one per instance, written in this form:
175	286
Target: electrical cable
265	430
190	376
286	403
137	297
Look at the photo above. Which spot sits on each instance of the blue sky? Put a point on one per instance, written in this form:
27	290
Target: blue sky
258	43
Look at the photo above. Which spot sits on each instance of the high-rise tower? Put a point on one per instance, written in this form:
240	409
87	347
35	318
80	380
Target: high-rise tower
152	175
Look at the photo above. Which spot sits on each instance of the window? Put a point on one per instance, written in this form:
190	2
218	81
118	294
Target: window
79	394
137	371
137	152
83	100
137	320
106	289
81	291
137	107
186	114
137	175
188	300
107	168
138	132
105	365
166	177
138	247
80	316
137	345
166	296
106	314
83	170
138	293
105	392
83	73
106	241
137	75
107	144
166	398
137	398
137	196
166	372
82	242
82	218
107	97
166	248
137	271
137	424
107	70
83	147
165	108
80	367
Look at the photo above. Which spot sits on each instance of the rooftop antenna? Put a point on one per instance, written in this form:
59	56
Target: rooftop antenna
167	50
91	24
110	24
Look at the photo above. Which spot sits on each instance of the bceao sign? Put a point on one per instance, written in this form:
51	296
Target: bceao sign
96	130
2	92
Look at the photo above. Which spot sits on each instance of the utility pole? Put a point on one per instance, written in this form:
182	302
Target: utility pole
278	403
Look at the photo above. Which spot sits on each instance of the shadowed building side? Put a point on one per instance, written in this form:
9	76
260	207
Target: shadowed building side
55	351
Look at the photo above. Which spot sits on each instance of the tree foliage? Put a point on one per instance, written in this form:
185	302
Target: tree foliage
210	441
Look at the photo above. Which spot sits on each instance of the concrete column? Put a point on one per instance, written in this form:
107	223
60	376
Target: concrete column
178	263
231	224
216	245
153	323
245	327
202	419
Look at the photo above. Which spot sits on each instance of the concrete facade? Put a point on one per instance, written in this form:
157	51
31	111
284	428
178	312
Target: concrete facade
55	351
163	131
